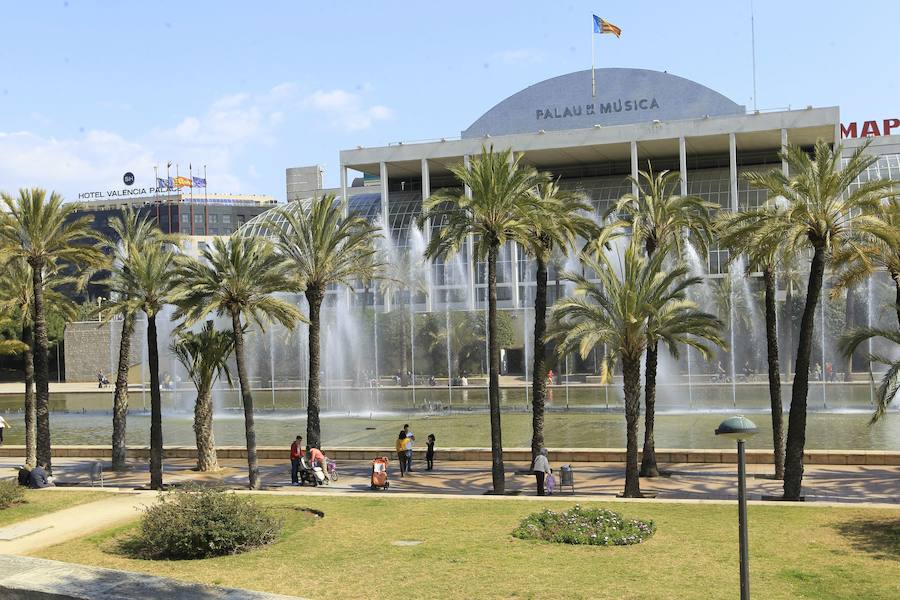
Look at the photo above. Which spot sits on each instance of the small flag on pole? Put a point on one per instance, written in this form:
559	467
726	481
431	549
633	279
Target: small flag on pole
162	183
199	182
601	26
183	182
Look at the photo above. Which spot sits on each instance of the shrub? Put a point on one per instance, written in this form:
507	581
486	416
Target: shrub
592	526
10	493
200	523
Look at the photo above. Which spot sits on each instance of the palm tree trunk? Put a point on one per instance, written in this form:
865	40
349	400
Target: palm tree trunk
796	438
789	328
648	458
203	431
156	438
41	373
774	372
539	371
30	408
120	399
631	369
497	472
246	400
313	426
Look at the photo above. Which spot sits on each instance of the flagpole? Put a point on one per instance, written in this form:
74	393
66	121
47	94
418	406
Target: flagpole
169	193
156	195
753	50
191	177
593	79
205	203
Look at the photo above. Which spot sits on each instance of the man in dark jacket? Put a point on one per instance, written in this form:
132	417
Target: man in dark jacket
38	478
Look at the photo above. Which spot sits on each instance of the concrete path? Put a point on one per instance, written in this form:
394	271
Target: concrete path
70	523
683	481
34	578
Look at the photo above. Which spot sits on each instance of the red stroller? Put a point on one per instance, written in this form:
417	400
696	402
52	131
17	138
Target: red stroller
380	473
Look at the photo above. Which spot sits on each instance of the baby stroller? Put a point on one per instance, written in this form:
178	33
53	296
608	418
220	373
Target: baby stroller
380	473
309	474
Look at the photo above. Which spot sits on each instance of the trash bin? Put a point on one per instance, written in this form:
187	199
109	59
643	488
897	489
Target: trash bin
567	477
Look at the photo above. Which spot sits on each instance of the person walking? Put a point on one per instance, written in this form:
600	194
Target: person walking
296	455
541	468
429	453
401	451
3	425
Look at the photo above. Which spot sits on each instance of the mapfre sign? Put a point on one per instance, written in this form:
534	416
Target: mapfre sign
862	129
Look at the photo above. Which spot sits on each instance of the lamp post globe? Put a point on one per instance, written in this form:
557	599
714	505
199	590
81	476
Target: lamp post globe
740	429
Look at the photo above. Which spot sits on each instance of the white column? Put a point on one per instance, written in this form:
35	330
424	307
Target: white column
634	169
732	171
385	220
514	259
784	143
682	165
426	192
470	244
344	183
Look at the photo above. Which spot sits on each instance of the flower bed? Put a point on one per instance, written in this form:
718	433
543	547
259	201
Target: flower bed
591	526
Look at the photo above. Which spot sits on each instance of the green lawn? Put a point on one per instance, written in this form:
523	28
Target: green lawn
40	502
468	552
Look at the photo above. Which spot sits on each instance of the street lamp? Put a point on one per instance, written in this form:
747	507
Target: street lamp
100	300
741	428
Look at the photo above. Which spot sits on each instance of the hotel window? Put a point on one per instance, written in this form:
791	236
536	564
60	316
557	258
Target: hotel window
226	219
213	231
213	218
185	218
198	218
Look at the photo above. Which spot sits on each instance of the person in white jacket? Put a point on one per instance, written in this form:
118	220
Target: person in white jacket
3	425
541	469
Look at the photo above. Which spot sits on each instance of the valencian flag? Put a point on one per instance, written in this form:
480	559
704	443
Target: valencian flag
181	182
199	182
601	26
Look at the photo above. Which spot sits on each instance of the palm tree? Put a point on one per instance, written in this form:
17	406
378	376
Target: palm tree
824	211
147	282
15	298
502	195
735	234
557	221
326	248
879	253
205	357
661	220
133	233
890	382
625	308
236	277
48	234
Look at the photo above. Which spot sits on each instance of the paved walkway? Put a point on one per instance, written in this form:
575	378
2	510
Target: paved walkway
22	577
831	483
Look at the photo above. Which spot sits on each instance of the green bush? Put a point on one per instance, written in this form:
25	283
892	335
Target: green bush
592	526
200	523
10	493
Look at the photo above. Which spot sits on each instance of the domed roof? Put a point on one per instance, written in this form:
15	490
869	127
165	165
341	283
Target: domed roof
623	96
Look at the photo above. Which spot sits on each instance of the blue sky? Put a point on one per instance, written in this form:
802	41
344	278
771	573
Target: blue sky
89	90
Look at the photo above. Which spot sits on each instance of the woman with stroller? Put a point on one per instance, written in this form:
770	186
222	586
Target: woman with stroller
541	469
316	457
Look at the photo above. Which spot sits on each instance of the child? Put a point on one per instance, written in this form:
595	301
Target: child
429	453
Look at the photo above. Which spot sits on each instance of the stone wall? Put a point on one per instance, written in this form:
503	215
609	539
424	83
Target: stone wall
93	346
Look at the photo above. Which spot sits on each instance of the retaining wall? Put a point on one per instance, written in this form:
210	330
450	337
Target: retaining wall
559	455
